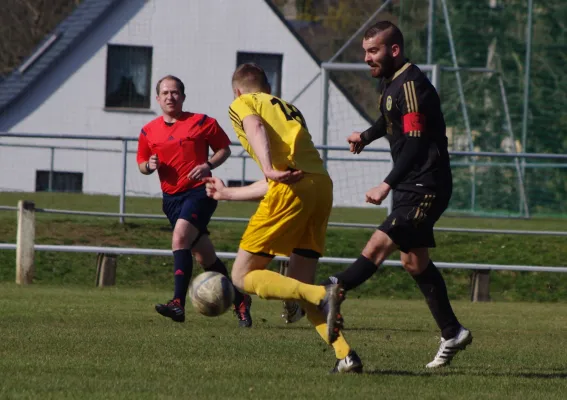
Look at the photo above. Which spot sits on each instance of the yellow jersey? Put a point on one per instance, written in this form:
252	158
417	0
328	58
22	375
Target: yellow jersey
291	145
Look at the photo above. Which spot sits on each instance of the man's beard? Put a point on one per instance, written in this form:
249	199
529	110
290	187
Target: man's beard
386	68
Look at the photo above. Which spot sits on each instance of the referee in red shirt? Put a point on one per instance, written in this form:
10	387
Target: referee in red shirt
177	146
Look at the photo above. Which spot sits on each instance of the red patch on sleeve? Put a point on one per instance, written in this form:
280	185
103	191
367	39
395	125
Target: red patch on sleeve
413	122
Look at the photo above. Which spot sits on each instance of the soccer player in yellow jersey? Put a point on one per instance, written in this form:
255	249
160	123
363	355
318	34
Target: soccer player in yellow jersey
291	219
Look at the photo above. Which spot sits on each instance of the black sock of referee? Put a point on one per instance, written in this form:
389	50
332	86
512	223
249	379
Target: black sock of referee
218	266
432	285
182	271
355	275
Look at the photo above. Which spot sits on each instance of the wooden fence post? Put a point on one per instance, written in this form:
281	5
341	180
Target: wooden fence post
25	240
480	285
105	270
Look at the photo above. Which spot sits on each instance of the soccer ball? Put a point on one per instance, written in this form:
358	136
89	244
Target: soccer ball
211	293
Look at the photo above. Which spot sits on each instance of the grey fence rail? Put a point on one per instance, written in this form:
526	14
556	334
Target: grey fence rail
231	256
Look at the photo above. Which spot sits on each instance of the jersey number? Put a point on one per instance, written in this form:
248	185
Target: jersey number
290	111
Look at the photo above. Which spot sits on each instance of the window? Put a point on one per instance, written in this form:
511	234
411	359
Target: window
128	76
60	182
271	63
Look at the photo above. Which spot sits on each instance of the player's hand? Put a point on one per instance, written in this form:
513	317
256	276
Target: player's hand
377	194
288	177
215	188
199	172
356	142
278	176
296	176
153	162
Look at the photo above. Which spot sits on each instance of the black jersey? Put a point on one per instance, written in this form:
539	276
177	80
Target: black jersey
412	121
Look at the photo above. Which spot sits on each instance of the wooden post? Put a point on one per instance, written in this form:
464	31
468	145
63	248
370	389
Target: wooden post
480	285
105	270
25	240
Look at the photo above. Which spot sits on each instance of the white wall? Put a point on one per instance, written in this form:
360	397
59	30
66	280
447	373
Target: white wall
194	40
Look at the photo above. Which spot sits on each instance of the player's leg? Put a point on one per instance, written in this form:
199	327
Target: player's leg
205	254
184	233
274	230
377	249
249	273
311	235
302	266
432	285
425	210
454	337
184	213
292	310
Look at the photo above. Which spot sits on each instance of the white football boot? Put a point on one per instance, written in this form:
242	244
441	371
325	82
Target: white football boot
450	347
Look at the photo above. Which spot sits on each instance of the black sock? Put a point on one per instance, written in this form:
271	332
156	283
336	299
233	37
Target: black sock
182	271
355	275
219	267
432	285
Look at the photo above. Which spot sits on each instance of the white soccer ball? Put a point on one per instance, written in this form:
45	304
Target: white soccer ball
211	293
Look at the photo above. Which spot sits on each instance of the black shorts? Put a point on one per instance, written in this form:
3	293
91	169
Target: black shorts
410	225
193	205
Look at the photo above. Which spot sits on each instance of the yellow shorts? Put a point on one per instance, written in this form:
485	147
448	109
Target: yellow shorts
291	217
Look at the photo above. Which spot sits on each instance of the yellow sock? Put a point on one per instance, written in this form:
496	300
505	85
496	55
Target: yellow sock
271	285
317	319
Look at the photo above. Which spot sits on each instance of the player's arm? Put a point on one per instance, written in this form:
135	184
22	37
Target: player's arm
147	162
218	191
413	103
219	142
219	157
358	140
258	139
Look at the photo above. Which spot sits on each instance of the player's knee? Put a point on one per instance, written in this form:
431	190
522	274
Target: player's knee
204	259
414	265
410	266
180	241
237	278
183	238
379	247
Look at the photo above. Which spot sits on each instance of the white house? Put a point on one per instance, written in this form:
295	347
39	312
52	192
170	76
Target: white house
95	76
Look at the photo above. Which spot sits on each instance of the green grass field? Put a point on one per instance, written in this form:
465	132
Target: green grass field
63	338
72	342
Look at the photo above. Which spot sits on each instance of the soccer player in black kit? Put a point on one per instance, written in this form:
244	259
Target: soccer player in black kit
412	122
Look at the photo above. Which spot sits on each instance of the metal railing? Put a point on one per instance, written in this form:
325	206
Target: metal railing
232	256
513	157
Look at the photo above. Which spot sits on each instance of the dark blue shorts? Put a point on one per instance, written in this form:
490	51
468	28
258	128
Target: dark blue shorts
193	205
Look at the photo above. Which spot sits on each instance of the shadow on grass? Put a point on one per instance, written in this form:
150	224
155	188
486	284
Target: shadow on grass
355	329
510	374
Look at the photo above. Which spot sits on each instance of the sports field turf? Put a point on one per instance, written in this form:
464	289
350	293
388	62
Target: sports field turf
62	338
69	342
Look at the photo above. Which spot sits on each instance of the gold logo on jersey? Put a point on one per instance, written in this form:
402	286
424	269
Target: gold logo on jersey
389	103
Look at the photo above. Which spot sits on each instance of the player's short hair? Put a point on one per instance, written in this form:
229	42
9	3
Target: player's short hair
395	36
250	75
180	84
